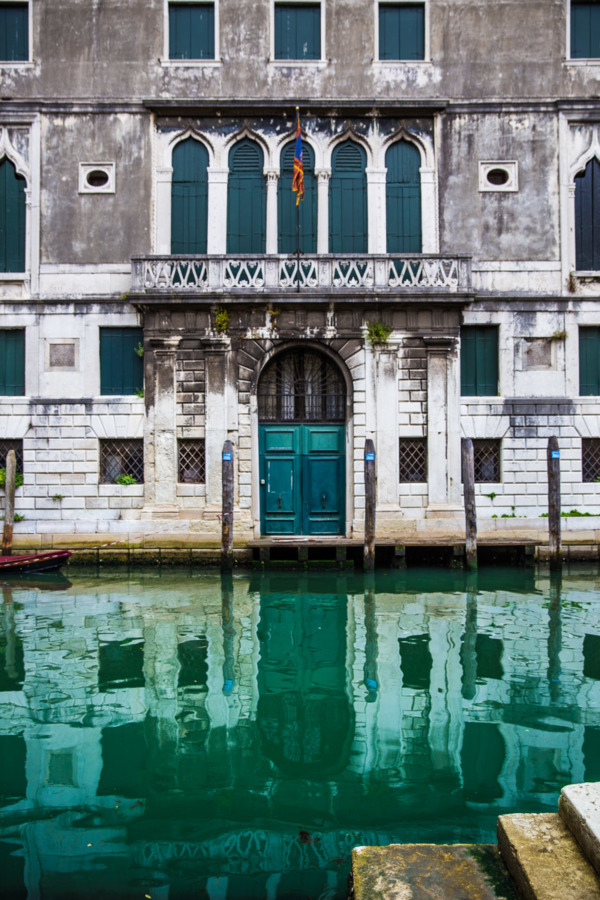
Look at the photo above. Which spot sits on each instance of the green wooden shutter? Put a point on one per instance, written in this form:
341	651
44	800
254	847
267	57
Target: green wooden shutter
585	30
297	31
14	32
191	31
12	362
401	31
246	199
189	198
589	361
587	218
479	361
12	219
348	200
121	368
403	198
286	202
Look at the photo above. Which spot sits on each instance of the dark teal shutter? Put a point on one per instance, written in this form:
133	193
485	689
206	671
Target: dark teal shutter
403	198
589	361
587	218
286	202
246	199
348	200
401	31
479	361
297	31
191	31
12	219
189	198
14	32
585	30
121	368
12	362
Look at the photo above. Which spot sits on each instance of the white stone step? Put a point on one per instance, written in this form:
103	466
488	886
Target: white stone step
579	808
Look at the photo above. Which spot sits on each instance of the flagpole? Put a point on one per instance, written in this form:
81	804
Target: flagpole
298	228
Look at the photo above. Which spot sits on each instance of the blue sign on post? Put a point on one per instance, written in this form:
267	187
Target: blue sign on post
369	456
555	454
226	456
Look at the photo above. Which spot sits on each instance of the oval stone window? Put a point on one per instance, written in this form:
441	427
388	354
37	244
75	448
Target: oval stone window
97	178
497	177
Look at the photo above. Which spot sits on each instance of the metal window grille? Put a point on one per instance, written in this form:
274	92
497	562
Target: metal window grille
590	459
17	446
121	458
192	462
487	460
413	460
301	386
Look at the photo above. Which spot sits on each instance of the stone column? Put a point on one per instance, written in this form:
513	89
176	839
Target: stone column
376	179
443	427
429	210
386	440
216	418
160	425
216	241
323	176
272	182
164	179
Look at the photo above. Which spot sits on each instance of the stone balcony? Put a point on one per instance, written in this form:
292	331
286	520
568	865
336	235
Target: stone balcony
327	274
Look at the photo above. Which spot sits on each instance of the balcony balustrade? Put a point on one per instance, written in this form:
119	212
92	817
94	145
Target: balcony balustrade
327	273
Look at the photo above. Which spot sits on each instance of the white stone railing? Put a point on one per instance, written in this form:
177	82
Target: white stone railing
221	274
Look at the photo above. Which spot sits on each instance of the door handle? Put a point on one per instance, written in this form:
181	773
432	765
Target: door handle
280	501
323	501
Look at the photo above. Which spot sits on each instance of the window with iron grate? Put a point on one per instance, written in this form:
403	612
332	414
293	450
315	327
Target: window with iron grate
590	459
17	446
487	460
301	386
413	460
192	462
122	461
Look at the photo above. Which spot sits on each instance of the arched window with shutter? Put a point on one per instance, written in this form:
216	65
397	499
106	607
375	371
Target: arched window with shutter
286	202
587	218
246	199
189	198
403	198
12	218
348	199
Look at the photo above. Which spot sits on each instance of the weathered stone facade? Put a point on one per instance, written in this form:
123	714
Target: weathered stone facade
495	88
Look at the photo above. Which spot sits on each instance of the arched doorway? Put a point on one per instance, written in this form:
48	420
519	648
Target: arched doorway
302	438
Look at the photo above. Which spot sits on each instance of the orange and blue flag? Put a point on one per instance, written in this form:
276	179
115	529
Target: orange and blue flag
298	177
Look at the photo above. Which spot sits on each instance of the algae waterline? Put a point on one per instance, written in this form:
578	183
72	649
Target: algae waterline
182	734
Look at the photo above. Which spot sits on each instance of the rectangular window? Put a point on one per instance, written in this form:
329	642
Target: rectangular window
487	460
191	31
589	362
122	461
14	32
17	446
121	366
297	31
12	362
401	31
590	459
479	361
585	29
413	460
192	464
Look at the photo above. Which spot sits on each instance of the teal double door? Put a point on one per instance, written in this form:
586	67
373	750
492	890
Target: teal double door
302	479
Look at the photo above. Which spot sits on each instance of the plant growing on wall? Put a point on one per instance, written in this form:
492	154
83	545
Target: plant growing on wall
378	333
222	319
125	479
18	478
139	349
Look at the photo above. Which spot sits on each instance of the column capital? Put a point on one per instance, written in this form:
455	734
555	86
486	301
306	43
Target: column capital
323	174
165	345
271	174
440	343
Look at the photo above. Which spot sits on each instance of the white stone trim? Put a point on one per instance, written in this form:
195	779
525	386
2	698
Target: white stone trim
400	62
29	62
165	60
20	143
85	169
484	426
117	427
14	427
297	62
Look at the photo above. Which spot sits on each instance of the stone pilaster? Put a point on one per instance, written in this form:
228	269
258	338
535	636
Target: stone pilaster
272	182
160	436
323	176
443	426
376	180
216	241
386	441
216	419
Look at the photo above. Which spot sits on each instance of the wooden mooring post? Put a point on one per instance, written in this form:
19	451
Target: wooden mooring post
9	502
370	492
227	512
468	474
554	539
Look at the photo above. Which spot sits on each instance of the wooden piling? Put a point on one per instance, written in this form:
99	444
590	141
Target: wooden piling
227	511
554	538
468	474
9	503
370	486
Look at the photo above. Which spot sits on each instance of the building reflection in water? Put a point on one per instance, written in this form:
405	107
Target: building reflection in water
230	738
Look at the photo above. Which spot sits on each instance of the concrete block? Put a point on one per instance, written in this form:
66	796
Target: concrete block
579	808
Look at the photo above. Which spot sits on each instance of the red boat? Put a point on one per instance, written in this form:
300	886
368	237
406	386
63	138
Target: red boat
44	561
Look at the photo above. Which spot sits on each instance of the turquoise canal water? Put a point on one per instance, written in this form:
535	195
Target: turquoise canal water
176	735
